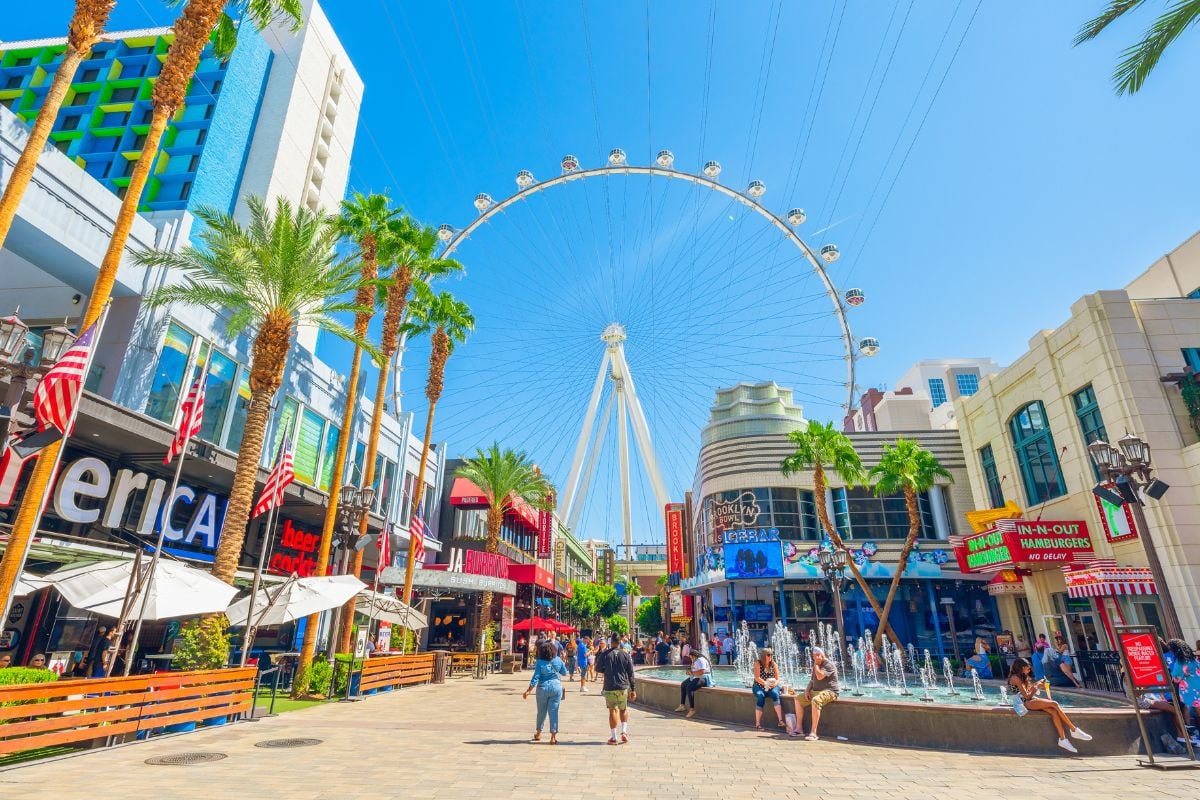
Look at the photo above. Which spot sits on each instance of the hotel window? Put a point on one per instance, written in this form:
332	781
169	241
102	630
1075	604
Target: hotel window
241	405
124	94
329	456
309	437
967	382
81	99
1091	424
222	374
90	76
991	477
410	483
70	123
937	391
169	375
1034	447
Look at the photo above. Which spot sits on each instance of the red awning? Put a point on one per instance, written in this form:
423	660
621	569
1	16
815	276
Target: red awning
1006	581
538	623
465	493
1104	578
523	511
531	573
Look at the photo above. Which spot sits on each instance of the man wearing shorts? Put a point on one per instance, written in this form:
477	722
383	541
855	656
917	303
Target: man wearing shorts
584	657
618	689
823	689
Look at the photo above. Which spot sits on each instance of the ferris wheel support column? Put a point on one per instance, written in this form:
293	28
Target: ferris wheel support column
585	481
589	418
641	432
623	457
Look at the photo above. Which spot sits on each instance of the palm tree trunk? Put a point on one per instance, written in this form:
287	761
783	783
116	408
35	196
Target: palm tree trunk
87	25
300	682
192	31
831	529
368	479
410	562
495	520
914	526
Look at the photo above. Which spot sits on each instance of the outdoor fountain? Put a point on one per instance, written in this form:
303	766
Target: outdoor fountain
856	661
787	656
977	684
747	654
948	671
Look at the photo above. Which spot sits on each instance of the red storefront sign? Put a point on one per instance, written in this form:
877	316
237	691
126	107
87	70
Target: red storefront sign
674	513
295	552
1028	543
1147	671
545	526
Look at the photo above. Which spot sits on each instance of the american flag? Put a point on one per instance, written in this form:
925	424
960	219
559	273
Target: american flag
277	481
56	393
190	418
385	548
416	537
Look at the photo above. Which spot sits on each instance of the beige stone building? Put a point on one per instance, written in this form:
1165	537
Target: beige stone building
1113	367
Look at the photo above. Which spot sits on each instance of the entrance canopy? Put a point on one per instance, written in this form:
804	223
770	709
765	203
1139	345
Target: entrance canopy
1103	578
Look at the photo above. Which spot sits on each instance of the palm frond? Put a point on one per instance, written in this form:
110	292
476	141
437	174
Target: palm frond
1093	27
1139	61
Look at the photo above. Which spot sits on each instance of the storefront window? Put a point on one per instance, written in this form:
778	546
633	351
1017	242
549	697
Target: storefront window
1034	446
410	483
169	374
328	455
222	372
308	446
287	423
241	406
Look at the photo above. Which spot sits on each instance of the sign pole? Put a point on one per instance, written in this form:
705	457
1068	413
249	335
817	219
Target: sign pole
1145	672
252	630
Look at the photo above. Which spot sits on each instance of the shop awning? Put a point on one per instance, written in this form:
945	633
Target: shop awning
1103	578
1006	582
531	573
465	493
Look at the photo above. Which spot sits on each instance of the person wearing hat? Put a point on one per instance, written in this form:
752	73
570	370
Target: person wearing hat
823	689
766	684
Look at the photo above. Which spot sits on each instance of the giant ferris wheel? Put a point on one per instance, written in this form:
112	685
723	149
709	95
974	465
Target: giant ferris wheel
614	300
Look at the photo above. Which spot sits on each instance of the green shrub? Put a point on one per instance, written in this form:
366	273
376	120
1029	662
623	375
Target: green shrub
17	676
318	677
410	646
342	661
617	624
202	644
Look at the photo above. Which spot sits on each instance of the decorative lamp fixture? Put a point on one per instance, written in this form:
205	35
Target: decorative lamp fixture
855	297
483	202
347	494
1103	454
12	336
665	158
616	157
868	346
1135	450
570	163
830	253
796	216
756	189
55	342
366	496
712	169
445	232
525	179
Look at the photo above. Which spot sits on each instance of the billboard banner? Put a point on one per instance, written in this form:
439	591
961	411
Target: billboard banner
753	554
674	513
545	526
1025	543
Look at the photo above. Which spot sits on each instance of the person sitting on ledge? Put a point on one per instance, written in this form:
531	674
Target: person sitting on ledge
766	684
823	689
981	664
699	676
1020	681
1060	666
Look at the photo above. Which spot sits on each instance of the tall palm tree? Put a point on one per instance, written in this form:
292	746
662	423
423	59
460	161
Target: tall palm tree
907	468
819	446
200	21
86	28
364	221
275	274
633	590
501	475
1139	60
448	321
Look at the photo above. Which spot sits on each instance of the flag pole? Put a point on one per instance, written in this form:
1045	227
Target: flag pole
61	445
164	517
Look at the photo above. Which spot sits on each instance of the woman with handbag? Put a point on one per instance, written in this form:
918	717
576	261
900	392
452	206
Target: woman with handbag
766	684
1023	694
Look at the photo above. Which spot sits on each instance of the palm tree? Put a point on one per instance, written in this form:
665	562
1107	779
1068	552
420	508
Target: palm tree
365	221
819	446
632	590
86	28
200	22
1139	60
450	321
502	476
907	468
275	274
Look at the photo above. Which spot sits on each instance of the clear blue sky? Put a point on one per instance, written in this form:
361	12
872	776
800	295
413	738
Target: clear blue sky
971	221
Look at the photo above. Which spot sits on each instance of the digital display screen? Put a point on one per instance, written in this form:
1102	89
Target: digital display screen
754	560
757	612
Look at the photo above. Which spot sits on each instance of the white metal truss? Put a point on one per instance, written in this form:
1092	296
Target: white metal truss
622	402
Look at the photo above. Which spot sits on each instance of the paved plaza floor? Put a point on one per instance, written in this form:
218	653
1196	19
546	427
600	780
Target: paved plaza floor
470	739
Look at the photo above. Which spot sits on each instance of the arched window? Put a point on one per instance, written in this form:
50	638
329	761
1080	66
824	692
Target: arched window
1034	446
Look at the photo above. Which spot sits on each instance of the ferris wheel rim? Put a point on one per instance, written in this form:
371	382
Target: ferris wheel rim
495	207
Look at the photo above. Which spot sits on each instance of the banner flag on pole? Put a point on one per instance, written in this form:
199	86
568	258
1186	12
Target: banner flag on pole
57	393
190	419
283	474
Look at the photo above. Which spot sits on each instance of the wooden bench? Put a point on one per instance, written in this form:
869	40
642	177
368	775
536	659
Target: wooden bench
75	711
477	663
384	671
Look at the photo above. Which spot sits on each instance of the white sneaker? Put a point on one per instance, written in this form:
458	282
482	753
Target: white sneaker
1080	735
1065	744
679	709
583	690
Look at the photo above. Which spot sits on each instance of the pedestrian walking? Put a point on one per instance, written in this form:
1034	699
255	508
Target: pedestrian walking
618	690
572	658
584	655
547	671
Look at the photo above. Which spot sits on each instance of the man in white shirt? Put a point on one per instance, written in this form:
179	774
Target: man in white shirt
727	648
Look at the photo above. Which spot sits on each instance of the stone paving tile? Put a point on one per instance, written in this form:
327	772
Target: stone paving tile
470	739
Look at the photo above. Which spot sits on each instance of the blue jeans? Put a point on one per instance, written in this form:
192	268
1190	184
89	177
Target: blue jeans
761	695
549	695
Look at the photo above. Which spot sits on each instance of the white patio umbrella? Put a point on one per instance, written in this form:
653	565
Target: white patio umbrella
390	609
295	598
176	591
28	584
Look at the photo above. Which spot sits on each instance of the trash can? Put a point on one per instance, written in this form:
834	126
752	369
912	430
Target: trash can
441	665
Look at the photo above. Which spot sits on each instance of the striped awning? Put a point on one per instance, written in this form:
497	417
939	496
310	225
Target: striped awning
1103	578
1006	582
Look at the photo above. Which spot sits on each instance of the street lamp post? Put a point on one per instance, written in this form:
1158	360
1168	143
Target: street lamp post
1128	466
833	565
353	503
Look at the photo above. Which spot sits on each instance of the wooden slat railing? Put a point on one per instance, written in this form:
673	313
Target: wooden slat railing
477	662
75	711
383	671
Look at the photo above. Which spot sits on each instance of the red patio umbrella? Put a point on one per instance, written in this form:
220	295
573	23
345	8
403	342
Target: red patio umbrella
537	623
